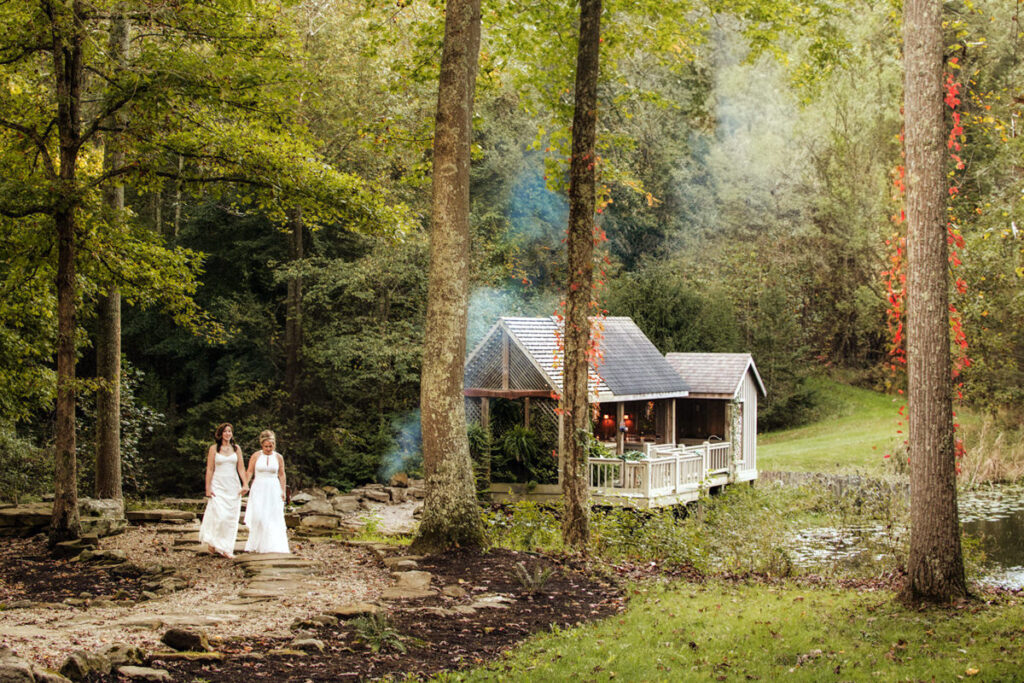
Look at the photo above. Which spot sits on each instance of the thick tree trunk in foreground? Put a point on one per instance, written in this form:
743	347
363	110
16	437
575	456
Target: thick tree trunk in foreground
64	524
108	397
108	343
68	70
450	513
935	566
580	246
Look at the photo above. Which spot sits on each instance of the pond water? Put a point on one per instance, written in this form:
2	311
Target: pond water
996	516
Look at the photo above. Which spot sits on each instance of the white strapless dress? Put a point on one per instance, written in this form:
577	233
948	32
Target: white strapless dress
220	520
264	513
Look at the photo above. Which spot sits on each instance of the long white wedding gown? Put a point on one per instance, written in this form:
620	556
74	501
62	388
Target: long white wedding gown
220	519
264	513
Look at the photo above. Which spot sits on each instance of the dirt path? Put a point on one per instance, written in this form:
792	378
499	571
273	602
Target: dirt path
246	597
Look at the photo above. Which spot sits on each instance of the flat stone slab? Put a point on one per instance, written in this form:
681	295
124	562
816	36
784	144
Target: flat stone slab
275	563
261	557
416	580
160	515
406	594
353	610
171	656
381	550
277	572
203	549
142	673
276	588
247	595
393	562
161	620
492	602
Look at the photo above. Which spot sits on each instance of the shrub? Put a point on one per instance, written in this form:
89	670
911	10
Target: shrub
25	469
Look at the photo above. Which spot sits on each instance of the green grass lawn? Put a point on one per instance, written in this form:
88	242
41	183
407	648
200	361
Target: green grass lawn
726	632
858	428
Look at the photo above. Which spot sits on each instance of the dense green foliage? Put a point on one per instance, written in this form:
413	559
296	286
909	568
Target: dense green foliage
747	155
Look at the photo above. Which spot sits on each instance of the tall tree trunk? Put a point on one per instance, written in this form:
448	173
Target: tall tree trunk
108	343
580	247
67	63
158	221
935	565
177	196
293	310
451	516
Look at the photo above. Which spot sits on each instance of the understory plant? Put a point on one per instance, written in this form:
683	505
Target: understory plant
992	453
532	581
25	469
766	530
376	632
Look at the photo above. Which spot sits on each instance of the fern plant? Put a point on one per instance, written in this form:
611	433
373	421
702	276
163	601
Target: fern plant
532	581
377	633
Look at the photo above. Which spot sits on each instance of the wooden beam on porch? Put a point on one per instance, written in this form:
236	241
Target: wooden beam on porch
485	414
526	412
509	393
620	436
671	432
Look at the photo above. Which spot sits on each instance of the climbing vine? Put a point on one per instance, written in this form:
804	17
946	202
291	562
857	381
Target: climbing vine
895	277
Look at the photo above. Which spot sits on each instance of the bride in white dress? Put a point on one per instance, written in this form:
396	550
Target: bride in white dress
223	472
264	513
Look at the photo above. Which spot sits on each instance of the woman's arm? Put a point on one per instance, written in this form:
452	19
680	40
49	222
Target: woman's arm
211	464
252	467
280	476
242	473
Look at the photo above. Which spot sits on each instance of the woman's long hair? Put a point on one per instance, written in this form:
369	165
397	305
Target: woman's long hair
218	436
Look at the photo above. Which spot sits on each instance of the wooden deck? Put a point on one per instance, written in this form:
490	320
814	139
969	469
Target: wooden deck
669	475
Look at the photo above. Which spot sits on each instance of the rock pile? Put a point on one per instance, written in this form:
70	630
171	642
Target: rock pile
17	670
98	517
325	510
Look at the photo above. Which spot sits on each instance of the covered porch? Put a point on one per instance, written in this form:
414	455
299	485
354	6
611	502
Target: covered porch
655	446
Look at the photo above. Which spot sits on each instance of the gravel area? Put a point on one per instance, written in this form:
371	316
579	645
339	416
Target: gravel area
47	634
388	519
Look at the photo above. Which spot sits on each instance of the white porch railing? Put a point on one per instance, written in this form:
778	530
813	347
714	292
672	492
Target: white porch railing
668	469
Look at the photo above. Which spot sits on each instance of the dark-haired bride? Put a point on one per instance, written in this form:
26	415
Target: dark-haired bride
226	481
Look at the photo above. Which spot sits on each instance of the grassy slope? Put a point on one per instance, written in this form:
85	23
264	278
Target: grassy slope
858	429
720	631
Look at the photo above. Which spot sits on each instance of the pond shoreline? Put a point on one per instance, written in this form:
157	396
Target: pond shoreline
838	484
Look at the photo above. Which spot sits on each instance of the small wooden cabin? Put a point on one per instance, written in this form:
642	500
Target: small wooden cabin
670	425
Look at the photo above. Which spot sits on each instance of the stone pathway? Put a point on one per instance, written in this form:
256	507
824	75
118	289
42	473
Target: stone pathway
268	577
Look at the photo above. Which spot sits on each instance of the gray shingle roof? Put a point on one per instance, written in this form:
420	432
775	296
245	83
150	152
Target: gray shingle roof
537	336
631	366
713	373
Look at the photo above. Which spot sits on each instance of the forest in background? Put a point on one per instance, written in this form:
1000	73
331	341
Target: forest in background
749	156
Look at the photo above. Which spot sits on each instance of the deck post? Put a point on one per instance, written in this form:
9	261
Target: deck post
707	459
561	445
671	431
620	436
485	414
647	479
526	412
